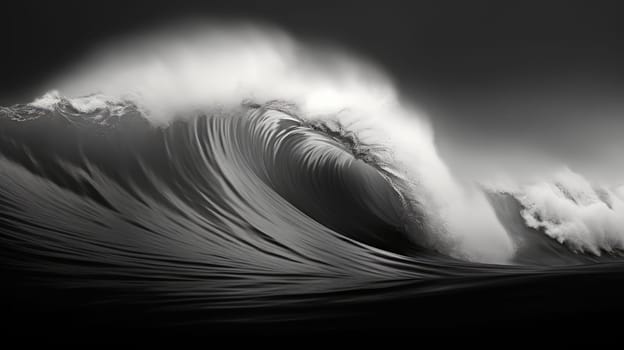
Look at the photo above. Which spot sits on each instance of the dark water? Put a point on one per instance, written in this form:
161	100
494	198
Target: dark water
250	219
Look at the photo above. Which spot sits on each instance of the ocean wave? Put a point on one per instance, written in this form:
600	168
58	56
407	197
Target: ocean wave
571	210
268	156
222	170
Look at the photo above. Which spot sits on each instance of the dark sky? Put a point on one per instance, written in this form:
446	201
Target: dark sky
457	45
514	70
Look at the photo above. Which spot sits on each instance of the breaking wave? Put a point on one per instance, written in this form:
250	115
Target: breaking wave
221	166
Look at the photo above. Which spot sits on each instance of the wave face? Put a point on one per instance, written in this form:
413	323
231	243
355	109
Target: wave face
229	206
273	185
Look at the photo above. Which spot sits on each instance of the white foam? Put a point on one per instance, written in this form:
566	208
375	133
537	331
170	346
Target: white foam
85	104
48	101
89	104
569	209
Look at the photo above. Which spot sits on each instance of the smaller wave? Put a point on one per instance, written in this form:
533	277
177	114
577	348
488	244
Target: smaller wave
563	218
585	218
95	107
